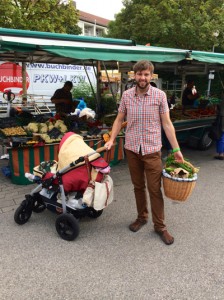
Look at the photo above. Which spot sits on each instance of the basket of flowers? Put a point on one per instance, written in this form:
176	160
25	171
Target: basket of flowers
179	179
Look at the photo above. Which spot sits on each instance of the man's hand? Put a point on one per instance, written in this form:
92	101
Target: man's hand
109	144
178	157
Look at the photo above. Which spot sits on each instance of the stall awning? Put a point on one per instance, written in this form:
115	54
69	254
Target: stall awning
208	57
45	47
24	45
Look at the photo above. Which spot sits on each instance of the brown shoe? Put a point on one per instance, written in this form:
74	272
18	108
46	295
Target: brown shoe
137	225
165	237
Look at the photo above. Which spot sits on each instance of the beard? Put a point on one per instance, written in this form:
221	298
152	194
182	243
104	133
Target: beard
142	85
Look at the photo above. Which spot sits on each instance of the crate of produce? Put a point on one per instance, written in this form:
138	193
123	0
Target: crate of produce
8	122
19	141
13	131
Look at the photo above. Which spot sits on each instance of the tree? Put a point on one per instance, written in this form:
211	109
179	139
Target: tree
42	15
192	24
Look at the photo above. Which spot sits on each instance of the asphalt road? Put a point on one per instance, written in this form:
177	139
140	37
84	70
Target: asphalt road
107	261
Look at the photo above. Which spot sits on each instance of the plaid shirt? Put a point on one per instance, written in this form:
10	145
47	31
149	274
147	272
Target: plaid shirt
143	117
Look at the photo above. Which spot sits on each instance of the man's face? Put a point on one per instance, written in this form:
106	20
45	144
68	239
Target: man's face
143	78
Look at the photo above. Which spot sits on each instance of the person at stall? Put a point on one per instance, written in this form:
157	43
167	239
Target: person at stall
220	123
62	99
105	88
189	96
147	111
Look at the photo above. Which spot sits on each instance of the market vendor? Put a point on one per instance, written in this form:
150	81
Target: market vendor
189	97
62	99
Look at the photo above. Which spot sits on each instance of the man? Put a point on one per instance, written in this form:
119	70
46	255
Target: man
146	108
188	97
62	99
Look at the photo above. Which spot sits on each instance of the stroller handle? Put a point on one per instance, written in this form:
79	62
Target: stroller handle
101	149
80	160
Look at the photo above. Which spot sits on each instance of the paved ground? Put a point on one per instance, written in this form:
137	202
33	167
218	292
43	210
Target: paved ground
107	261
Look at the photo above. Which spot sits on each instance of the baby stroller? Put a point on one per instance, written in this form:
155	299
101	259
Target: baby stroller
70	189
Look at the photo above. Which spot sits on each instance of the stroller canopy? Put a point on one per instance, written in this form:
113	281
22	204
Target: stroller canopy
71	147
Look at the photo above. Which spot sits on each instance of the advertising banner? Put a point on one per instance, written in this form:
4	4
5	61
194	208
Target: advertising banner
42	79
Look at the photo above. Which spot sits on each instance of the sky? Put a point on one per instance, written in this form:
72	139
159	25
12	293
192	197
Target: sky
101	8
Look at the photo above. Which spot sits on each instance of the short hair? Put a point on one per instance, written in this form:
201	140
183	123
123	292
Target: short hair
190	81
68	83
143	65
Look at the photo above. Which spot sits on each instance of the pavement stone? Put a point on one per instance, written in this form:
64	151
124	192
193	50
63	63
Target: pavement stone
109	262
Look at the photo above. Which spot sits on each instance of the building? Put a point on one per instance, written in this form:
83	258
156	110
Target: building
92	25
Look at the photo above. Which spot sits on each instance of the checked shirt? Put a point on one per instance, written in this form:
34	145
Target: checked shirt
143	116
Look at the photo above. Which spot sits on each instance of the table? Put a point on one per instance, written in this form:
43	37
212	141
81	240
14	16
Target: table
23	159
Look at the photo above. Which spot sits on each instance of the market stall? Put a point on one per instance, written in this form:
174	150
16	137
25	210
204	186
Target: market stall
24	159
194	126
30	141
30	46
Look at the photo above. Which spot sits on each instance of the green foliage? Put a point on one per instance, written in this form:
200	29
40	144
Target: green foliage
180	24
108	105
84	90
40	15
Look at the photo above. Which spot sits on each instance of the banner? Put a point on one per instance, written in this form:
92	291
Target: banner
42	79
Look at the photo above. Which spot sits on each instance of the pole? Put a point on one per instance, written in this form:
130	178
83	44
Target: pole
209	87
108	79
183	84
24	79
98	88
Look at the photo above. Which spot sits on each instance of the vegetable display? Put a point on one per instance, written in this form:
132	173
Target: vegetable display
181	170
13	131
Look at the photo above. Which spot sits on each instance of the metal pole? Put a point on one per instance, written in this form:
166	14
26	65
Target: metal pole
98	88
94	94
24	79
108	79
209	87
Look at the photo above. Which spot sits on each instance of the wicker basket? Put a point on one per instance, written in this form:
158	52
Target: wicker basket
178	189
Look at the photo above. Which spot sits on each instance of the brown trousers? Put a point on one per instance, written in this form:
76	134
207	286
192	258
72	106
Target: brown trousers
144	170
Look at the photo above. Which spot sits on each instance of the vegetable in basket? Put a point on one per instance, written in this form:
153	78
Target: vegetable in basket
178	169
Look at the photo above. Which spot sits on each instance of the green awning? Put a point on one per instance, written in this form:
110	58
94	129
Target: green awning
208	57
42	46
115	54
45	47
63	36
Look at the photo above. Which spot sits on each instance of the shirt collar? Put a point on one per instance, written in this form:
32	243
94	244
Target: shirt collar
146	93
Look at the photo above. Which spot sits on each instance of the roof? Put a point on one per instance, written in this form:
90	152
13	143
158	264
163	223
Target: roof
83	16
45	47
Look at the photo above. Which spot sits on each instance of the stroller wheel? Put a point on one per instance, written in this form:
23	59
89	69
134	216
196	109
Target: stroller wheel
23	213
92	213
38	205
67	227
